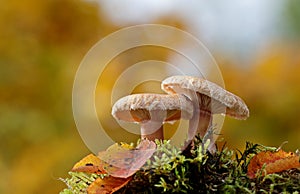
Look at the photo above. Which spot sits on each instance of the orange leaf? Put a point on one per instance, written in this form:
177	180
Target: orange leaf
123	161
89	164
107	185
274	161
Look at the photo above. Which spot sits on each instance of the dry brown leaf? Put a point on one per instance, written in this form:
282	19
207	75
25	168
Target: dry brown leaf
107	185
274	161
89	164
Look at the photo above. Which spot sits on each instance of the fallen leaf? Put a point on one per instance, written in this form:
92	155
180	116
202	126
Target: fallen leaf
107	185
123	161
89	164
274	161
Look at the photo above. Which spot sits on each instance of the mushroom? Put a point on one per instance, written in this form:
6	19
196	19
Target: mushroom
208	98
151	111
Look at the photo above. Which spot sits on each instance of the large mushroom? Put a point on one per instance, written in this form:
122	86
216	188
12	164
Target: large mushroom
151	111
208	98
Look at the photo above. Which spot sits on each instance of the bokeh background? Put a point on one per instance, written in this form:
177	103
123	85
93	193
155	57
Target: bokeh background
255	43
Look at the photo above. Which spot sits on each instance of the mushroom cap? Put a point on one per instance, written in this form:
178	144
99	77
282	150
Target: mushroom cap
145	107
220	100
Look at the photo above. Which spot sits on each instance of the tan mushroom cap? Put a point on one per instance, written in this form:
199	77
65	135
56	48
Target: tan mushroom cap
137	107
235	106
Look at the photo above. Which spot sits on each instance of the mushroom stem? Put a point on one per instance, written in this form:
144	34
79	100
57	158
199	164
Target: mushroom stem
158	134
199	123
152	130
205	121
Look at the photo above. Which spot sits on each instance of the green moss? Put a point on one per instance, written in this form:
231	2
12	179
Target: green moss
198	171
78	182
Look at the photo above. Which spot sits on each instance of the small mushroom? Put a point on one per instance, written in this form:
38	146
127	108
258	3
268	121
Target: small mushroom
151	111
208	98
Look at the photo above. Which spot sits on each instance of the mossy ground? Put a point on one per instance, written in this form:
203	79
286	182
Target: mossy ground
199	171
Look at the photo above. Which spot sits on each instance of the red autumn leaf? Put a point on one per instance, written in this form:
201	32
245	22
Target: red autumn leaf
122	161
107	185
89	164
274	161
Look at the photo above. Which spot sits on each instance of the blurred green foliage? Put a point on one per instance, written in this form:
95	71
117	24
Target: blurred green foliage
42	44
292	15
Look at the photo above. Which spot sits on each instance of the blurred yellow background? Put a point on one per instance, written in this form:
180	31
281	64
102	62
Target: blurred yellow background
43	42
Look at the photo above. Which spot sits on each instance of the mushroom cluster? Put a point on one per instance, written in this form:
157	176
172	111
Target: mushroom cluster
191	98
